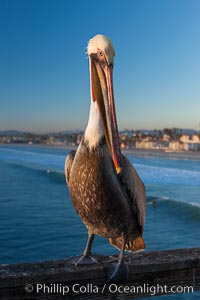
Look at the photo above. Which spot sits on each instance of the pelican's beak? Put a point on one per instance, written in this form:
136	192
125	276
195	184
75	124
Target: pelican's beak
102	92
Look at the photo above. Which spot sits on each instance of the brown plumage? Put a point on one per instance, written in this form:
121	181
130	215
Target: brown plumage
110	205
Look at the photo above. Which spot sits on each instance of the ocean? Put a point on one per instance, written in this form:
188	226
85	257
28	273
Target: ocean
38	222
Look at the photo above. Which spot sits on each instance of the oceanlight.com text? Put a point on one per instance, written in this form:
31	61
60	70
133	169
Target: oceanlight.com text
77	288
150	289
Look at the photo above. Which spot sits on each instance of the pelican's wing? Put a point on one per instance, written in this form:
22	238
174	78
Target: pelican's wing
68	164
135	190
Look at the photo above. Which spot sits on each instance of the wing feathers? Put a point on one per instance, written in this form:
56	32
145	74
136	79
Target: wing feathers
135	190
68	164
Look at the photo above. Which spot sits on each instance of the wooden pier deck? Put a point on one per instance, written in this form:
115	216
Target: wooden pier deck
156	272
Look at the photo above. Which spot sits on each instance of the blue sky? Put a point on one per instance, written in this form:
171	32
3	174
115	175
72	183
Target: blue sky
44	79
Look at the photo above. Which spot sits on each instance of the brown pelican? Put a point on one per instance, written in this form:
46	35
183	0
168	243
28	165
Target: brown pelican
105	189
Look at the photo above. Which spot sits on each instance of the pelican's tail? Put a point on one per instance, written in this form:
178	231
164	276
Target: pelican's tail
134	243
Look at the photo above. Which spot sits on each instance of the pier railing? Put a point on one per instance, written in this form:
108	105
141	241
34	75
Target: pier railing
150	273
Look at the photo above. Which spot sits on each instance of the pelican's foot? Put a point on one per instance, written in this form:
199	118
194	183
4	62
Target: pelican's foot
117	272
85	260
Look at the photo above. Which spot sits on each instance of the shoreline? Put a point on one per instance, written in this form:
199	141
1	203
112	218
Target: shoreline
160	153
137	152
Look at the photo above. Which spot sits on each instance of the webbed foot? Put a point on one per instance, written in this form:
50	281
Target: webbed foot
85	260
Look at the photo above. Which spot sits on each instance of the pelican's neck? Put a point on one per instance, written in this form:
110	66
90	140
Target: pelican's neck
94	131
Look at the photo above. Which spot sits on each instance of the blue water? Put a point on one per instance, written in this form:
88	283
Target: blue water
38	222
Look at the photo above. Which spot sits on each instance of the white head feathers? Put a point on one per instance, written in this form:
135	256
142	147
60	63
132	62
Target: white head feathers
101	42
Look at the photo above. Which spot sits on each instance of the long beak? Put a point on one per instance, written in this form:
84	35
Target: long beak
102	90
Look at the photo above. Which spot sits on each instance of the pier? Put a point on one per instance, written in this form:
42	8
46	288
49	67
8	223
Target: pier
158	272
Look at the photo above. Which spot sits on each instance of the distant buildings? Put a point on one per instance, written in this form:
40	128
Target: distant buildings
57	139
183	142
170	140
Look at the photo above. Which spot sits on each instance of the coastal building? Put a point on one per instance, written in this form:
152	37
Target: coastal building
175	146
145	145
194	147
184	138
165	138
196	138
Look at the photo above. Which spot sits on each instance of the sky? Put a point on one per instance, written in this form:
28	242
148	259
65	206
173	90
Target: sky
44	77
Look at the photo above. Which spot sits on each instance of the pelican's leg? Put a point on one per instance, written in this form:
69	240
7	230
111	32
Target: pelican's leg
118	273
87	258
88	247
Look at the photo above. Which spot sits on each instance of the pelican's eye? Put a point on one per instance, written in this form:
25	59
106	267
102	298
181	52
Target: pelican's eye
100	53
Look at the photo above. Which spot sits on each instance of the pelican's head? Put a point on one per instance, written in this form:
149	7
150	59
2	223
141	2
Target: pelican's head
100	44
101	56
